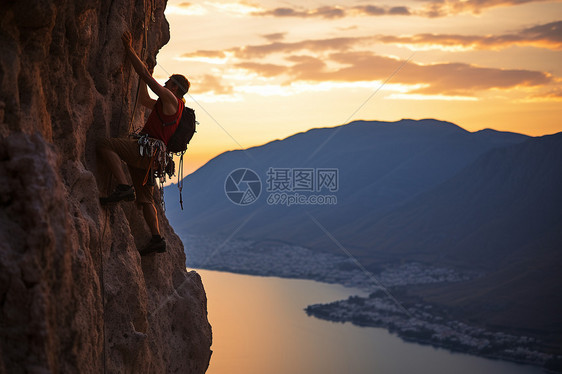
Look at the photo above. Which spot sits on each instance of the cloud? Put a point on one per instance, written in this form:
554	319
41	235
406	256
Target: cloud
240	8
332	12
455	79
206	53
399	11
210	83
275	36
429	8
318	45
441	8
541	36
186	9
370	10
262	50
265	70
328	12
550	32
552	95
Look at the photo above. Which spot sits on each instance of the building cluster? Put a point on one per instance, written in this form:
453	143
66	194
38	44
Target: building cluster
290	261
423	325
420	323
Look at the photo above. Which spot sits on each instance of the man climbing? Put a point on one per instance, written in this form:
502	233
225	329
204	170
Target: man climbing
140	156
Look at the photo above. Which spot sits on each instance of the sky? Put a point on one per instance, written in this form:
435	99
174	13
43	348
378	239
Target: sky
265	70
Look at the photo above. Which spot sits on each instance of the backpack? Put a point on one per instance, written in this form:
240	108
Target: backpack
186	129
177	144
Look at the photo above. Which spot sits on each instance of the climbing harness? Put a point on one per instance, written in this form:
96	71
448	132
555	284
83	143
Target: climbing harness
161	162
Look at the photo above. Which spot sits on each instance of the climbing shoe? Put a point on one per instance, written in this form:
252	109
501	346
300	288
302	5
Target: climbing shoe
121	192
156	244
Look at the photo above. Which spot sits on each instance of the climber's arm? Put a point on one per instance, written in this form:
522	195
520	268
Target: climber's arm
167	96
144	97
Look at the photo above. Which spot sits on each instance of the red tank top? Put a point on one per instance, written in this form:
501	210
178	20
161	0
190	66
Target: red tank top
161	126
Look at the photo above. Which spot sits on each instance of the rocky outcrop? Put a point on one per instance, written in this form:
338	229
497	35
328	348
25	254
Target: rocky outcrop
75	296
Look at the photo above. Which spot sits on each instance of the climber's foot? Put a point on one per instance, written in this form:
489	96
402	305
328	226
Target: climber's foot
121	192
156	244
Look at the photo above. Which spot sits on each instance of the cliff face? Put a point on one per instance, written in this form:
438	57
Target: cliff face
75	296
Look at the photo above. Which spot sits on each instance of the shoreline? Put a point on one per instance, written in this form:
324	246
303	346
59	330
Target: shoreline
432	327
537	359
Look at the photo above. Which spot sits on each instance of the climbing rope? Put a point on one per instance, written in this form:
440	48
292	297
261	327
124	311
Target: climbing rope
101	277
148	12
123	101
180	180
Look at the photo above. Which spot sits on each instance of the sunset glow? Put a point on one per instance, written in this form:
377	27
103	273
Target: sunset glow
265	70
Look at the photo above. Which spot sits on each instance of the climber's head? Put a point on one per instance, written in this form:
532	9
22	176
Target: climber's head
178	84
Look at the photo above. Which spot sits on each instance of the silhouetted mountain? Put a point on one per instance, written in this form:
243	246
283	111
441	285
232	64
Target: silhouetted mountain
381	165
502	214
425	191
506	199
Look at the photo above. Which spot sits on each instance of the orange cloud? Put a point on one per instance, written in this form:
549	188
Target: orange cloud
275	36
555	94
323	12
210	83
265	70
543	36
338	60
262	50
431	8
441	8
206	54
331	12
445	78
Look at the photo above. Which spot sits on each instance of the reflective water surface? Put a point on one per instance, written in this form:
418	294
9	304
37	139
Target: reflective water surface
260	327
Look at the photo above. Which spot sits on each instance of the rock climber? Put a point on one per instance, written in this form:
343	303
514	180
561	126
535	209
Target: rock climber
160	125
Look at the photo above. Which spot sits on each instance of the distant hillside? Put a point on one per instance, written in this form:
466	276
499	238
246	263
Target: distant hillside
508	198
416	191
424	191
381	165
502	214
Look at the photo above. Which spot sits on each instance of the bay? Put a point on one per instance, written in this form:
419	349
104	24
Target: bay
260	327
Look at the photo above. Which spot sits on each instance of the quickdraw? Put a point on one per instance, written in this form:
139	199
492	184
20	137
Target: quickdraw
161	163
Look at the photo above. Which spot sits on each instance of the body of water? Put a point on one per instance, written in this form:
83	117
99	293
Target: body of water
260	327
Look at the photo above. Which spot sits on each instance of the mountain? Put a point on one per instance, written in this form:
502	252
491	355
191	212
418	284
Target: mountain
381	165
75	296
415	191
508	198
503	215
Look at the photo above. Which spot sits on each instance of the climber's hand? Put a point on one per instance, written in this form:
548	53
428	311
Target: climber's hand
127	39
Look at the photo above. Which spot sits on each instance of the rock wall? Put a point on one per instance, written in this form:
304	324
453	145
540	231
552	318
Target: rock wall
75	296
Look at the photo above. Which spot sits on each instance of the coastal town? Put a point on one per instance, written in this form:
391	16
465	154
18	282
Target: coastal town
290	261
422	324
376	306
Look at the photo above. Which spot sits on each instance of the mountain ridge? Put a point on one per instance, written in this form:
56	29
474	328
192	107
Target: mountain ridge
421	191
521	283
356	148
